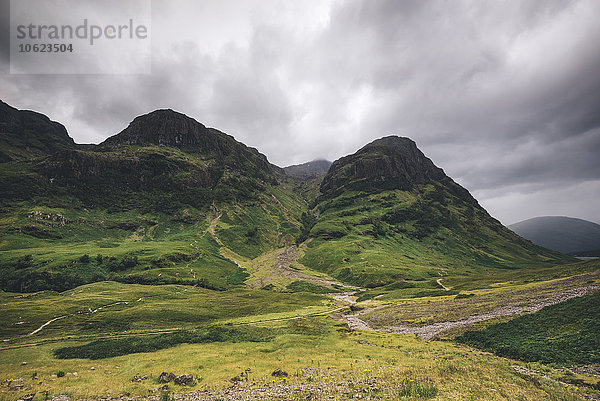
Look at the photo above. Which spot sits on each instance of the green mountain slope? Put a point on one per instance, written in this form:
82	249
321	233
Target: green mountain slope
156	202
168	200
306	178
387	213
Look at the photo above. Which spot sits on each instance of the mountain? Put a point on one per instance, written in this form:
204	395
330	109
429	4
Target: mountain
168	128
26	134
162	159
389	162
169	200
313	168
173	238
146	195
563	234
387	213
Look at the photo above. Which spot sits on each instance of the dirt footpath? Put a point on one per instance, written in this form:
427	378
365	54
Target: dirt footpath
428	332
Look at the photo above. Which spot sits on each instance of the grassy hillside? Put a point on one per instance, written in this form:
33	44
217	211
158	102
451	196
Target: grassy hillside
566	333
387	213
152	205
421	234
60	247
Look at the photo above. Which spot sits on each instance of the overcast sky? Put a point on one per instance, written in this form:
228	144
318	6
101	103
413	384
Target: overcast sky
503	95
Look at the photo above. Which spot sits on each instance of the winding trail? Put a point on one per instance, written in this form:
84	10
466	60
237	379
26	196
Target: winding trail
106	306
429	332
213	223
211	229
439	281
46	324
284	258
90	310
163	331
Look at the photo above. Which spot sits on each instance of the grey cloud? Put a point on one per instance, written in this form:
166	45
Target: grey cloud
505	96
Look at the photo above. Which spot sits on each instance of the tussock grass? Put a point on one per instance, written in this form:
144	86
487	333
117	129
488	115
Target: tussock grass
108	348
565	333
332	356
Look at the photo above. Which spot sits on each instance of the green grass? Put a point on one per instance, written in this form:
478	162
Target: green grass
132	280
368	360
305	286
565	333
108	348
520	276
417	389
374	238
143	308
401	308
170	248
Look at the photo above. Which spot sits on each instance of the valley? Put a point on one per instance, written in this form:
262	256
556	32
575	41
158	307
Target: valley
172	247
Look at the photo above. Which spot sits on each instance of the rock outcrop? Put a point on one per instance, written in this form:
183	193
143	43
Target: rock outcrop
390	162
26	135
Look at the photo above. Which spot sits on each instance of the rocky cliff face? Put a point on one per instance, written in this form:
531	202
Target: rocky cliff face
394	162
168	128
26	135
128	169
161	158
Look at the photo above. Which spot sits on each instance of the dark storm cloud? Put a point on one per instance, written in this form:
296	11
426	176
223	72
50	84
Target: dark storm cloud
505	96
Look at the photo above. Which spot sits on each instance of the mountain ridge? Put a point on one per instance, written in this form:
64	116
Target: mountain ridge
384	159
26	134
315	167
387	199
383	214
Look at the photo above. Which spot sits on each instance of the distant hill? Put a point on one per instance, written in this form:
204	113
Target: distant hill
564	234
313	168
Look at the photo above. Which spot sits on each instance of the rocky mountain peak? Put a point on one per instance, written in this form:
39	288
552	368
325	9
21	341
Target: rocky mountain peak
27	134
169	128
163	127
393	160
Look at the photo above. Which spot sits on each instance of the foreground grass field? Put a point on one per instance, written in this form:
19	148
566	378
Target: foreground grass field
314	352
110	307
248	334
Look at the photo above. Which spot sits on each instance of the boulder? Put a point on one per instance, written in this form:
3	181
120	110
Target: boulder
184	380
164	387
279	373
138	378
166	377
